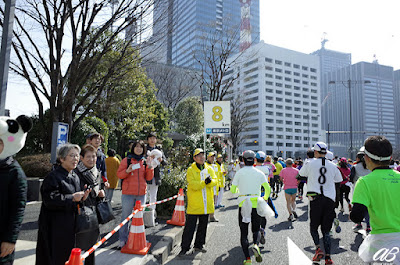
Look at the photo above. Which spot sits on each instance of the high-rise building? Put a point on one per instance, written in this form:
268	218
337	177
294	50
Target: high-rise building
190	23
329	61
280	90
372	105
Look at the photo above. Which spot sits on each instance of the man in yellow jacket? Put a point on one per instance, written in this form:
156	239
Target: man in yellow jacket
221	180
200	202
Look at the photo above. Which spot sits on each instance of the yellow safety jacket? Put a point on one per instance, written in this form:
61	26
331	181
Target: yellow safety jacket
200	199
221	175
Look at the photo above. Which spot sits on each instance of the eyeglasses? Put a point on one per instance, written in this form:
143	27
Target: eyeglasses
73	156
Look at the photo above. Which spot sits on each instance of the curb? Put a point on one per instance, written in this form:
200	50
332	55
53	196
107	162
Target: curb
164	247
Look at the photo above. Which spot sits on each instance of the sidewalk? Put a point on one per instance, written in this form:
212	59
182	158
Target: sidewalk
163	238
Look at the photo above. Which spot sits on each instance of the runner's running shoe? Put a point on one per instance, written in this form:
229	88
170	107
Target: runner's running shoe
295	214
368	229
257	253
357	227
247	262
350	207
319	254
337	226
328	261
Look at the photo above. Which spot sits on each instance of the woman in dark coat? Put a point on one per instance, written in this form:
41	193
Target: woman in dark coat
89	176
60	191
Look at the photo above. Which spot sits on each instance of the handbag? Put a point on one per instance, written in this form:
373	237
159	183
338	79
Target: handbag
104	211
86	219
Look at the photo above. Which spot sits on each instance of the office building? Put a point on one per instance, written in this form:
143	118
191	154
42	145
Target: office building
190	24
280	89
372	106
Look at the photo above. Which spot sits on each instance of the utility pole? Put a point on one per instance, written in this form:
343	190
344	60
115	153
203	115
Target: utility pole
5	51
349	83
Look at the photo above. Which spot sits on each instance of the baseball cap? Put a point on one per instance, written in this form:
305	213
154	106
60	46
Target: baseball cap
211	154
320	147
198	151
219	156
260	155
249	155
329	155
343	159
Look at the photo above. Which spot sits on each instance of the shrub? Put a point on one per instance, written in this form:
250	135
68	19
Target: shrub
172	180
35	166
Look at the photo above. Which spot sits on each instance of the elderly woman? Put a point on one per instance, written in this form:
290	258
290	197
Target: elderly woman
89	176
60	191
134	172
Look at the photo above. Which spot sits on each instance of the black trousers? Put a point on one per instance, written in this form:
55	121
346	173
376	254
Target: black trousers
188	231
244	230
322	213
344	190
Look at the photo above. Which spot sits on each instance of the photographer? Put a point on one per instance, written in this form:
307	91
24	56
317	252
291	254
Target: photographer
201	179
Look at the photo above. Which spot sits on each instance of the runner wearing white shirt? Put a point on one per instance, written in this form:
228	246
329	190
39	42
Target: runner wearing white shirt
322	175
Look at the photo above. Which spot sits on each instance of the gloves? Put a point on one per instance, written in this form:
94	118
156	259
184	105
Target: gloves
207	180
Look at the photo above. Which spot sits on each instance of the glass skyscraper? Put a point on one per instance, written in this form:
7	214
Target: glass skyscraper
194	22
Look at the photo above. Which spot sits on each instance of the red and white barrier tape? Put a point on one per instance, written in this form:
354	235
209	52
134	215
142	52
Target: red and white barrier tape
105	238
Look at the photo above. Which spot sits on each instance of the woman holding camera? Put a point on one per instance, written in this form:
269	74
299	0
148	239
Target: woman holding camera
61	190
134	171
90	178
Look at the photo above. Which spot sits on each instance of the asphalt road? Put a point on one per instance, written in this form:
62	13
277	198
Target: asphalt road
223	238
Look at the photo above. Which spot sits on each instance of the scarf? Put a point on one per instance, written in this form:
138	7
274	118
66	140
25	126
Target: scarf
135	156
6	162
89	176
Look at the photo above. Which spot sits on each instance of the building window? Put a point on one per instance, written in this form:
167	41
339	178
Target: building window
278	77
269	98
297	102
269	120
269	105
289	122
297	124
278	70
269	143
289	145
289	130
314	104
269	112
297	137
279	92
279	114
278	99
297	116
288	72
278	84
288	108
278	62
305	68
297	145
296	66
305	145
269	68
251	62
288	64
296	80
288	115
315	139
279	129
288	100
279	121
268	60
269	128
269	136
313	70
269	90
297	109
279	106
269	75
269	83
279	136
314	132
289	137
304	75
288	79
305	82
297	130
296	74
288	86
313	84
296	88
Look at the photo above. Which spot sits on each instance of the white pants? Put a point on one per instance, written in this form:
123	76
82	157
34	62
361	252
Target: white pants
220	194
152	190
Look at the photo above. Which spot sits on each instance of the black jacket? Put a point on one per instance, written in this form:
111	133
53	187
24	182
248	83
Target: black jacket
56	235
157	176
13	188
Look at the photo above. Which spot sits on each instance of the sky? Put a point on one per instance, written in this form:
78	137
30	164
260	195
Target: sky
362	28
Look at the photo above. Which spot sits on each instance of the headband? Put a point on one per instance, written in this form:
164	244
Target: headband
375	157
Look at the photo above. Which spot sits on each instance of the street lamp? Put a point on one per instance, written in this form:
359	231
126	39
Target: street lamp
349	83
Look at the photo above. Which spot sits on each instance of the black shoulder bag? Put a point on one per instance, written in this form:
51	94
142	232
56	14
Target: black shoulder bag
86	218
104	211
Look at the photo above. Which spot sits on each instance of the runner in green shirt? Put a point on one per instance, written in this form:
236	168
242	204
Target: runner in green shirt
379	194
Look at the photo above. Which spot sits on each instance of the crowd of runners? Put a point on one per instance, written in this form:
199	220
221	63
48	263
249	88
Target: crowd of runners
258	179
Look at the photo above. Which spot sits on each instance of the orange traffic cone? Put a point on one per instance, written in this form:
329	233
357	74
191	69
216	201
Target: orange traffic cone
75	257
137	243
178	218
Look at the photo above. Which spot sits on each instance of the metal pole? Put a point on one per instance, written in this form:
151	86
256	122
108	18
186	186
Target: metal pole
351	123
5	51
328	137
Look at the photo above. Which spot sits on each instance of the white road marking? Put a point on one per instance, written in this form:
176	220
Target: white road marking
296	256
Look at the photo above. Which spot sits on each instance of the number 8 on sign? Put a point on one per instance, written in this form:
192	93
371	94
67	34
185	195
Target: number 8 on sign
217	116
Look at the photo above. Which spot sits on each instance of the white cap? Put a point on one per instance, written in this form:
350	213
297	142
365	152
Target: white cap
320	147
329	155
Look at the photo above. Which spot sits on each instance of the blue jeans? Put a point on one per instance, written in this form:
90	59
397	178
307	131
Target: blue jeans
128	202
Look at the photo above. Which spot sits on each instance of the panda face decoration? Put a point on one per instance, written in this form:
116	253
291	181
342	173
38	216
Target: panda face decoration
13	134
